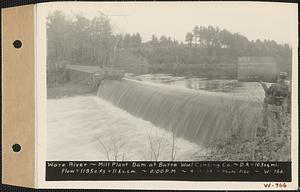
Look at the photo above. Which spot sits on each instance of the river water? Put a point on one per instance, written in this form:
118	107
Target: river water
89	128
138	120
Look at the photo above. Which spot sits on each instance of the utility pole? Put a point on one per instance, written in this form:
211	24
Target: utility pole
115	51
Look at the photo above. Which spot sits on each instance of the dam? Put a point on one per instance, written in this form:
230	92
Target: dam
198	116
148	117
190	112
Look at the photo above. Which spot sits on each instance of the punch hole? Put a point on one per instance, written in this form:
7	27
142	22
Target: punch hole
17	44
16	147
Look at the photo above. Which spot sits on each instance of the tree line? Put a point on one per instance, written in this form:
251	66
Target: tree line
78	40
214	37
214	45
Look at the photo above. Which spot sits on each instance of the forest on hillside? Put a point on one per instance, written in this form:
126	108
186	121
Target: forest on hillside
76	39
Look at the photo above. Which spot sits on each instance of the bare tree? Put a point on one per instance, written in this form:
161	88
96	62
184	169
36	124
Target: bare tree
114	148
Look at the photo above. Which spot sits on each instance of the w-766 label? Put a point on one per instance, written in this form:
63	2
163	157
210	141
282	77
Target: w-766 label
275	185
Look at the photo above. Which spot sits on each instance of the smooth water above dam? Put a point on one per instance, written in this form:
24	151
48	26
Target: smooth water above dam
198	116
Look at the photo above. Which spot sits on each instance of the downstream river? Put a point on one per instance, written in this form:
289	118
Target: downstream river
89	128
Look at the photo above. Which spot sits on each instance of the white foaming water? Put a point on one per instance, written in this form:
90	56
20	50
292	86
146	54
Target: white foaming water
201	117
89	128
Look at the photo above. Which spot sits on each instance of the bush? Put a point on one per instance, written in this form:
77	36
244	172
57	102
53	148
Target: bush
58	75
263	147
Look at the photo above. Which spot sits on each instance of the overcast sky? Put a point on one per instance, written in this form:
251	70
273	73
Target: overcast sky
274	21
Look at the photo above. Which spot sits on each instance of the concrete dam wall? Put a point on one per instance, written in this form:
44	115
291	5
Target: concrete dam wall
198	116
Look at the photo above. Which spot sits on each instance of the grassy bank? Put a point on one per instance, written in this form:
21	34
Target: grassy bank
263	147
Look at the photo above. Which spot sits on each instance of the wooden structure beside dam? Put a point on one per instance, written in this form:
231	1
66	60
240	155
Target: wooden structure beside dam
92	75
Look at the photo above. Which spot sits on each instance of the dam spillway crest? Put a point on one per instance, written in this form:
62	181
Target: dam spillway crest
198	116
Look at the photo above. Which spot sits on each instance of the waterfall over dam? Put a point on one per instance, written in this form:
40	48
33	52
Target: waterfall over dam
198	116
